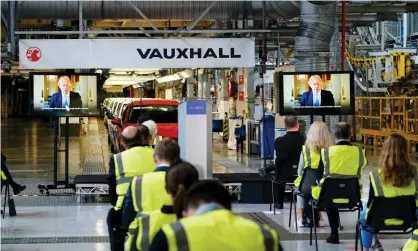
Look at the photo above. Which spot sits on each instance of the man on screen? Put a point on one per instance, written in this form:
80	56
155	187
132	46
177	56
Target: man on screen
316	96
66	98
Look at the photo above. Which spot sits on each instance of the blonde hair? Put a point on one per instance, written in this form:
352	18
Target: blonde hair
313	78
318	136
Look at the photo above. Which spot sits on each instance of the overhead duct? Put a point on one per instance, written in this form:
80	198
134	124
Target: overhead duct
314	35
317	25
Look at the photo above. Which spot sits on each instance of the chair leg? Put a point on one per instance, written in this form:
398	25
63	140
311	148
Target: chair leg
290	210
314	226
296	218
6	190
272	196
357	236
272	188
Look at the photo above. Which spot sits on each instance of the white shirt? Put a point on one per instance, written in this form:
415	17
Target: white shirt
316	95
65	96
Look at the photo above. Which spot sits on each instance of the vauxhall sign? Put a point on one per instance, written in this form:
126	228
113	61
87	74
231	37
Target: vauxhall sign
186	53
136	53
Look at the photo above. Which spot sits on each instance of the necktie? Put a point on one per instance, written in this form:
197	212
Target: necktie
316	99
65	104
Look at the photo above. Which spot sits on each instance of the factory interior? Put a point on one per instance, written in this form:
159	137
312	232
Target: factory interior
219	77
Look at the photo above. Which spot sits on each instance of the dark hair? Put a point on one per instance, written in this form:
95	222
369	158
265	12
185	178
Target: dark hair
397	169
207	191
179	178
342	131
144	134
290	122
168	150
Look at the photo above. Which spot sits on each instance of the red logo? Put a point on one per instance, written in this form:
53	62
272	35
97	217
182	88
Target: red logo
33	54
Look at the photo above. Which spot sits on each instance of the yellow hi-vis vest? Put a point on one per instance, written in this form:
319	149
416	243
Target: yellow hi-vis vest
3	176
148	192
341	161
382	189
129	163
220	230
412	243
143	229
310	159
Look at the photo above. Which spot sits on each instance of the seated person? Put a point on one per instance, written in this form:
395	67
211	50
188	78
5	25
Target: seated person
65	98
210	225
142	230
150	185
288	149
318	138
17	188
412	243
394	177
343	158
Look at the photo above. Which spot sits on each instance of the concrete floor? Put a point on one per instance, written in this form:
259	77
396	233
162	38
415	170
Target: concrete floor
58	222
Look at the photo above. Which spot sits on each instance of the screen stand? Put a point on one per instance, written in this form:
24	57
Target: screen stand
59	184
323	118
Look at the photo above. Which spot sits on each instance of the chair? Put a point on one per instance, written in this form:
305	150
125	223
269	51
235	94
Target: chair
400	208
288	182
309	179
335	188
240	136
7	199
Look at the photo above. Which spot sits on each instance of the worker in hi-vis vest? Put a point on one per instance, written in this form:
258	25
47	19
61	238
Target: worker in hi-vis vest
340	160
138	159
147	193
412	243
142	230
211	225
395	177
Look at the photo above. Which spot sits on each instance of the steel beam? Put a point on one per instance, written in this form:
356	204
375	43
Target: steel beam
143	15
5	21
80	18
141	28
219	31
194	22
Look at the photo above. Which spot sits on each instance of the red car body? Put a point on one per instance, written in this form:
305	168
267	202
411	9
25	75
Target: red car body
162	111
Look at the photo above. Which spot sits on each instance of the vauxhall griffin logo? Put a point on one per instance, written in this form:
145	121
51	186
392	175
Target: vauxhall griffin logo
186	53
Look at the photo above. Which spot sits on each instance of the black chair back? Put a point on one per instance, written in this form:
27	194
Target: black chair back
401	207
309	179
340	188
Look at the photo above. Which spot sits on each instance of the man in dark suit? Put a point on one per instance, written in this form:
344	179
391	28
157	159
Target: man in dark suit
316	96
66	98
288	149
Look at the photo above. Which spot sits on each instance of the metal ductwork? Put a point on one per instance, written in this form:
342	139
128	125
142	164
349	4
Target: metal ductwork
162	10
317	25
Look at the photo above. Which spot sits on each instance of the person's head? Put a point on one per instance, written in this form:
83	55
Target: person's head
291	123
396	167
144	135
342	131
167	152
179	178
318	136
130	136
315	82
204	192
65	85
152	127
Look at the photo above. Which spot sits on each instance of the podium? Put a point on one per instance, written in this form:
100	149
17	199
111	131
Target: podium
57	117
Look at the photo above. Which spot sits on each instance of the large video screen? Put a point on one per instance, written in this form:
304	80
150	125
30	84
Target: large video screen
68	93
316	93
